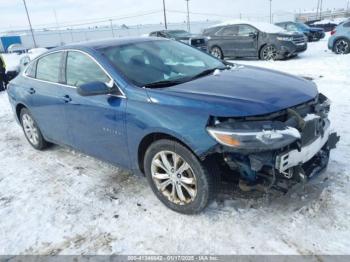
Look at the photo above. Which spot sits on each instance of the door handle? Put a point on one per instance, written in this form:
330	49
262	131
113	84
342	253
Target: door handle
67	99
31	91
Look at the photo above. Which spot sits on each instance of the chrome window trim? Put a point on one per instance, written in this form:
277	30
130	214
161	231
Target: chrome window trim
109	84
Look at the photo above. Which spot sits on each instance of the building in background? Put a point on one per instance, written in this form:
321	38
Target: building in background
327	14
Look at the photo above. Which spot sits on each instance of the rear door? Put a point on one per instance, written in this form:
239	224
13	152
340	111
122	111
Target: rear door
96	123
227	39
246	41
46	98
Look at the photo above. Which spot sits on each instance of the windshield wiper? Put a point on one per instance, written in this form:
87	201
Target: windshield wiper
164	83
208	72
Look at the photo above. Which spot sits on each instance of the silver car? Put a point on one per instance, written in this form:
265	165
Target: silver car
339	42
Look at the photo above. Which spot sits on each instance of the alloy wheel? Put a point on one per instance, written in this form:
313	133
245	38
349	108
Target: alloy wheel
269	53
216	52
30	129
342	46
174	177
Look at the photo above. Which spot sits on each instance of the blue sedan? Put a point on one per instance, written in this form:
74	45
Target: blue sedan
176	114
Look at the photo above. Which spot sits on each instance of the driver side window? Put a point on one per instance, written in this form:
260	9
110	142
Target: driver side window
246	30
81	69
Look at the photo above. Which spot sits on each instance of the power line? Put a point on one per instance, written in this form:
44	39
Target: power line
88	21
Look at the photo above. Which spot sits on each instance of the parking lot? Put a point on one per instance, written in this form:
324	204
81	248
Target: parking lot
62	202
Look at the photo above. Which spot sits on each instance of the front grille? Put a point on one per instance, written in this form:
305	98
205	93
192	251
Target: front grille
299	40
197	42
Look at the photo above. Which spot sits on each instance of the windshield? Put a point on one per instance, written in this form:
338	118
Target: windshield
179	33
149	62
303	26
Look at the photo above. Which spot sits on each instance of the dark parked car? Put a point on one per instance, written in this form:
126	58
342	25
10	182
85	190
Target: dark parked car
176	114
182	36
327	26
258	40
312	33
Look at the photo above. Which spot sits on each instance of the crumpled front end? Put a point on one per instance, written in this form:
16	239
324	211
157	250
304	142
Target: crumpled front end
276	150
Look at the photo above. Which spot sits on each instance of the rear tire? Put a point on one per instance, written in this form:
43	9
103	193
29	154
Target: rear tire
31	130
177	177
217	52
342	46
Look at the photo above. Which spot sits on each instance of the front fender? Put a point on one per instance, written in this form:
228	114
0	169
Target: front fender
188	126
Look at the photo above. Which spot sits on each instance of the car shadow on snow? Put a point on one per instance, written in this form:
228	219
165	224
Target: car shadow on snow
116	183
297	198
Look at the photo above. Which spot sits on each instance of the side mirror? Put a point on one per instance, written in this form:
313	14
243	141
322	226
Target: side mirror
95	89
253	35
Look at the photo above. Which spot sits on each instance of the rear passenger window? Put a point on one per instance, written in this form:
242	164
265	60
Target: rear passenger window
229	31
48	67
31	70
81	69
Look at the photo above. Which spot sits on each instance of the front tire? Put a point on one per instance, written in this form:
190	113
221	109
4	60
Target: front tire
217	52
179	180
268	52
342	46
32	131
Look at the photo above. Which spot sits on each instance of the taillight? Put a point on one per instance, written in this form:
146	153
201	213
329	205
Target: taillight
333	32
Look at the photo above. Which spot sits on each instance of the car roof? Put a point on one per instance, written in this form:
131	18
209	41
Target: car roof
100	44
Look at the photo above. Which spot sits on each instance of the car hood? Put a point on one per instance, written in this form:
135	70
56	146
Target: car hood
241	91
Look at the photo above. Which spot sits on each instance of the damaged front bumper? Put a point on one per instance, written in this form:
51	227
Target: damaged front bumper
293	145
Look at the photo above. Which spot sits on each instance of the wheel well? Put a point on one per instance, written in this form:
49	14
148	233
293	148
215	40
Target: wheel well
261	47
151	138
19	108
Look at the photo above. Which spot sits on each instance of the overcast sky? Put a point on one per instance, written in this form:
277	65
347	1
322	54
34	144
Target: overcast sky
12	13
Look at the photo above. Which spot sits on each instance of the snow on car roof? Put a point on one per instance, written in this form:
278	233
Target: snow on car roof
262	26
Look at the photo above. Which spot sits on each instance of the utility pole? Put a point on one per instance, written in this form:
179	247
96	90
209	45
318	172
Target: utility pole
188	16
164	10
321	6
30	24
58	27
271	20
348	8
112	29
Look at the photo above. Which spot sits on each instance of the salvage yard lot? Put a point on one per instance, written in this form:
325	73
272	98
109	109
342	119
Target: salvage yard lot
62	202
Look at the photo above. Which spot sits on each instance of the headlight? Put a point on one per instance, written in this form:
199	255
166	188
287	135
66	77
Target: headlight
255	140
284	38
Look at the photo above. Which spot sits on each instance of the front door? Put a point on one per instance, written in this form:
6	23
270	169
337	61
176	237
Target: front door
96	123
246	42
227	37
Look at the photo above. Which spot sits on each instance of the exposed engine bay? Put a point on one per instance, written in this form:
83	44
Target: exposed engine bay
276	150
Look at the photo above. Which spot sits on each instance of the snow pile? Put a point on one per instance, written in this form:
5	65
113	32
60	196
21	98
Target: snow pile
12	61
261	26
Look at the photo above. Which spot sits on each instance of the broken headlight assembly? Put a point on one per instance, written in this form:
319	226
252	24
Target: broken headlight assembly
254	135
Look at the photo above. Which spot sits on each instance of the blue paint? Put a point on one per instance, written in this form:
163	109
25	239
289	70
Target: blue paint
6	41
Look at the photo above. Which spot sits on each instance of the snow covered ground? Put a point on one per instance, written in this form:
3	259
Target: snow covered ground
62	202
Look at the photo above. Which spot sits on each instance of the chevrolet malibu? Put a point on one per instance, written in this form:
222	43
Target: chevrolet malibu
179	116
